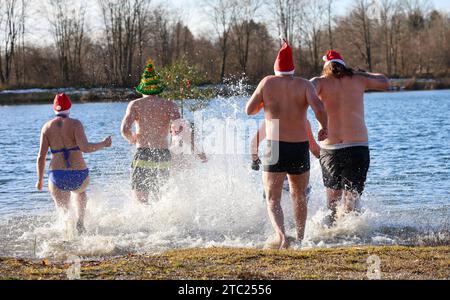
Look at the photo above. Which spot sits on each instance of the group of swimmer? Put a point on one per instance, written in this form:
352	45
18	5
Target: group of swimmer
337	99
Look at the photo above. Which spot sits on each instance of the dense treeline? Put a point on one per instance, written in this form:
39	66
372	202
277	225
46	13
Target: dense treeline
402	38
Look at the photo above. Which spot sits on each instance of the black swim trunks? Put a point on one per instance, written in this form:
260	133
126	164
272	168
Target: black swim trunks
284	157
150	169
346	168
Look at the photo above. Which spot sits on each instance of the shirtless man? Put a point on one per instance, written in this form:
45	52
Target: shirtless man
152	116
285	100
68	174
345	156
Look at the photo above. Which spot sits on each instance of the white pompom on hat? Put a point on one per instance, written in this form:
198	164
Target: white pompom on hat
62	104
334	56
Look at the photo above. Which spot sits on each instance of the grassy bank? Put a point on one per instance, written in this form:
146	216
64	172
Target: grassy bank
219	263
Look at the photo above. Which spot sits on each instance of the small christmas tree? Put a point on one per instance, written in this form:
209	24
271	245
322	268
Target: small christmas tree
150	81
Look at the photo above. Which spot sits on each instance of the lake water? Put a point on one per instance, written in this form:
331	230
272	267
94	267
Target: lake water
220	203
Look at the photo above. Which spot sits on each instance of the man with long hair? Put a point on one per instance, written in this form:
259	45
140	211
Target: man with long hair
345	155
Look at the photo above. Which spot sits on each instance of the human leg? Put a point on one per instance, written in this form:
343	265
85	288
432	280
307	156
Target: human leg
298	185
60	197
273	185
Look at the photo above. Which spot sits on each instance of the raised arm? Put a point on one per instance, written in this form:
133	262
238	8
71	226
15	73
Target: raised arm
41	159
127	124
256	103
318	108
374	81
83	143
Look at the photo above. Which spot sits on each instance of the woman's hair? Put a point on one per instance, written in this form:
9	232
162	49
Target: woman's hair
337	70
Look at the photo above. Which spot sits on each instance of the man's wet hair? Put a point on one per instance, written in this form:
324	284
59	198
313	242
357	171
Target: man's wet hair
337	70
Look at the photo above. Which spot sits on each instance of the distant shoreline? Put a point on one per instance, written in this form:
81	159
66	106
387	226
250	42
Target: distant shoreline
106	94
396	263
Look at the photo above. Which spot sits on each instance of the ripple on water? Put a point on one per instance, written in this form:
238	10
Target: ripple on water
220	203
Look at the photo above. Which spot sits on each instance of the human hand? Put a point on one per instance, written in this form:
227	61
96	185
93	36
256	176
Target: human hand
323	135
39	185
203	158
256	164
107	142
134	139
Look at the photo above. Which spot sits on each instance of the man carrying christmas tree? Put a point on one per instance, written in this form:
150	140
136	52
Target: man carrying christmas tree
152	116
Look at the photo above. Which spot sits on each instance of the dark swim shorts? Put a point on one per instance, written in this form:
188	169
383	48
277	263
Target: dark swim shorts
345	169
150	169
284	157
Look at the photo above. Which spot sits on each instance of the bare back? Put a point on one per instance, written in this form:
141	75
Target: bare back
285	101
152	116
344	101
62	133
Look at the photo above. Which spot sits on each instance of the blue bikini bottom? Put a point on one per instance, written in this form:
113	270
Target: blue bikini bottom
68	180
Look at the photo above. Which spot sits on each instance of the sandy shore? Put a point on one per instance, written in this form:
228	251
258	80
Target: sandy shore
219	263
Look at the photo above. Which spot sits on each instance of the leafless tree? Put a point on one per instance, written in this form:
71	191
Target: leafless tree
68	28
416	11
389	25
182	40
222	14
360	29
287	14
329	23
12	28
243	27
161	35
124	22
312	24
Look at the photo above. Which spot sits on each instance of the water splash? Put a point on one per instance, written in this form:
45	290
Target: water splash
218	204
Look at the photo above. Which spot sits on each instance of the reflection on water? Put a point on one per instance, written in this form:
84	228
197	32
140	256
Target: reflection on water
220	203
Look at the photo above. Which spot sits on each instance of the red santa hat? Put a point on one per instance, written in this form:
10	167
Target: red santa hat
62	104
333	56
284	64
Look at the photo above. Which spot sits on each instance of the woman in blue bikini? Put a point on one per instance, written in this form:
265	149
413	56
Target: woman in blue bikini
68	174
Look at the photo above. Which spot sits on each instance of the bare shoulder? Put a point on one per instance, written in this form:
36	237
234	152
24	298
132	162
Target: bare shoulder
316	81
304	83
135	104
76	123
267	79
47	126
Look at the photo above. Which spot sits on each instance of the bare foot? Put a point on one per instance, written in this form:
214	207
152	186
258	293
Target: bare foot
273	245
285	244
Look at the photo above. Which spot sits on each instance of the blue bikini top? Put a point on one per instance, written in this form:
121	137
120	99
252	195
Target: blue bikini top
65	151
